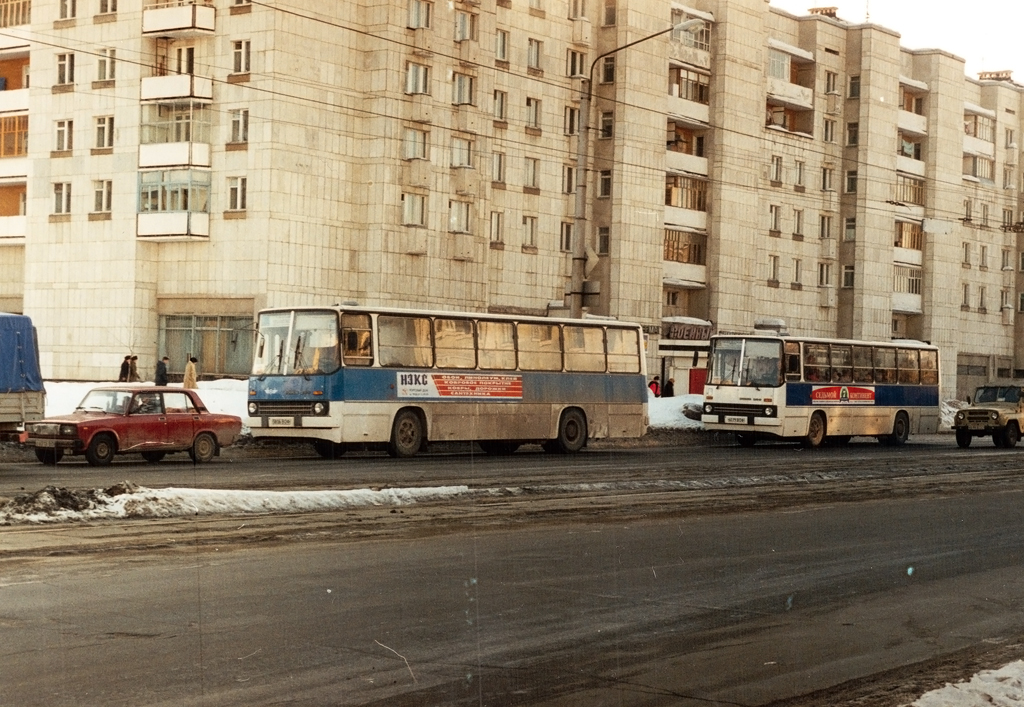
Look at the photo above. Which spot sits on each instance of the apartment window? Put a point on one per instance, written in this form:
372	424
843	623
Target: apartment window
1020	302
498	167
824	226
984	215
465	26
776	175
604	238
420	13
531	172
608	69
773	268
568	179
690	85
533	54
607	126
850	229
831	82
1004	299
686	192
105	131
497	226
414	144
500	105
65	69
826	178
983	257
236	193
909	190
696	38
852	133
414	209
980	126
565	242
417	78
174	190
67	9
533	112
462	150
854	87
463	86
536	5
1009	141
608	17
105	63
572	120
829	134
108	6
185	60
64	136
779	65
798	274
240	125
980	167
575	63
1007	217
847	276
798	222
240	56
62	198
577	9
501	45
909	235
824	274
103	191
907	279
458	216
798	176
968	210
604	183
774	217
851	181
530	230
1006	265
982	303
1008	178
967	253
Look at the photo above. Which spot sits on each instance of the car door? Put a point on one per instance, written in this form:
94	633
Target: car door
146	428
180	415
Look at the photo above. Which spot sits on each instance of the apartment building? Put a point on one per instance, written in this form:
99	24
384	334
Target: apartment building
168	168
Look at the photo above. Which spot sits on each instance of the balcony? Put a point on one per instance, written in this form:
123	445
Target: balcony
684	259
175	154
790	95
173	225
15	101
682	162
912	122
178	18
910	165
176	86
12	227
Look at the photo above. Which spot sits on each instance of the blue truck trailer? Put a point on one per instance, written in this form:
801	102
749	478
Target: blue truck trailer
22	396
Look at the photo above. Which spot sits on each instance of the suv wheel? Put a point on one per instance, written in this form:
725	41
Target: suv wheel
963	438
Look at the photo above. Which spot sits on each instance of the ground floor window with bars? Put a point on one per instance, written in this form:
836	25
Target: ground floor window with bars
222	344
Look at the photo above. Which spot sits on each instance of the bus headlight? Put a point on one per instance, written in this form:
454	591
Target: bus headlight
253	408
319	408
768	412
707	409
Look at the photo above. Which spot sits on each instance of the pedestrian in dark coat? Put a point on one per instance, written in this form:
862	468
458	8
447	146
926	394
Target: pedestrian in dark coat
133	370
125	369
669	389
161	371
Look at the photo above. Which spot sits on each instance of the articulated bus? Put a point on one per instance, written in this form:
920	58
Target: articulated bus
820	390
356	377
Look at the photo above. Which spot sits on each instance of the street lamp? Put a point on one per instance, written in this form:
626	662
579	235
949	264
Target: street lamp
579	247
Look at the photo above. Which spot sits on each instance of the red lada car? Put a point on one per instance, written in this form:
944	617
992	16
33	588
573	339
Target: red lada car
147	420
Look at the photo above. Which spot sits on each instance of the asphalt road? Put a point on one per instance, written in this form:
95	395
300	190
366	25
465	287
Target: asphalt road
661	576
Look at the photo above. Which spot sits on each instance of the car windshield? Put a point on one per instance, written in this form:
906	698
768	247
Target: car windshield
997	394
114	401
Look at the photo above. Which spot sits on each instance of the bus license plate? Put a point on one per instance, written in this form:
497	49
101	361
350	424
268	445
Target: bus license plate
736	419
281	422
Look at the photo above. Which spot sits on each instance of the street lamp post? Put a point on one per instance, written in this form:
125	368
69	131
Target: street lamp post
579	242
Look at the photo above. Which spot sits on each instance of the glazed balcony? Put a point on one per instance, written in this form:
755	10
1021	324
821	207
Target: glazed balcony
178	18
176	86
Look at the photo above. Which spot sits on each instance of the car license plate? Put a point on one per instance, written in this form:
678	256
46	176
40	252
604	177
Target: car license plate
281	422
45	443
736	419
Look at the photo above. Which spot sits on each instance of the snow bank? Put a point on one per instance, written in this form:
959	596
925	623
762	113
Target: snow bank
1002	688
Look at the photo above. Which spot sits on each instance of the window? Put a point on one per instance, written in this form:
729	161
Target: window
690	85
854	87
185	60
531	172
414	209
852	133
500	105
420	13
62	198
824	274
968	210
239	125
698	38
1009	141
108	6
13	136
608	69
1006	265
831	82
240	52
967	253
907	279
236	193
847	276
980	167
65	136
67	9
417	78
774	217
798	177
458	216
222	343
65	69
530	230
103	191
779	65
462	152
983	257
1007	217
568	179
575	63
572	120
826	178
851	181
105	64
686	192
604	183
829	134
501	45
909	235
798	267
773	268
498	167
607	126
463	86
465	26
982	300
497	226
1008	181
533	54
577	9
105	131
604	237
909	190
850	229
565	242
1020	302
685	247
798	222
984	215
533	113
980	126
909	147
174	190
824	226
608	18
1004	299
776	175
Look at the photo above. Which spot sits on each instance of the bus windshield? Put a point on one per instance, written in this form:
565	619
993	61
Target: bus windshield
746	362
296	343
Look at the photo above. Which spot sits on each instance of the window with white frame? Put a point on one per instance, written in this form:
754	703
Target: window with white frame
831	82
575	63
850	228
568	179
459	216
414	144
798	222
67	9
779	65
184	60
62	198
798	173
824	274
851	181
462	152
462	89
826	178
980	126
696	37
500	111
501	45
531	172
107	6
498	167
604	183
64	138
174	190
848	276
65	69
239	125
824	226
577	9
414	209
532	112
565	241
103	196
572	120
773	268
798	271
417	78
420	13
776	169
105	64
607	125
236	193
465	26
530	230
240	54
534	52
497	226
774	217
608	69
104	131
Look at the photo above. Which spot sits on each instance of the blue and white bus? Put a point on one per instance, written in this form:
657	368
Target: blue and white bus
818	390
395	379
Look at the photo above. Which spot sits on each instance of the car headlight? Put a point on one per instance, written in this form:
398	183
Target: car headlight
960	416
253	408
994	415
707	409
68	431
319	408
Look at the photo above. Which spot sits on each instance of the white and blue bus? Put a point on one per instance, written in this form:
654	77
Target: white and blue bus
395	379
818	390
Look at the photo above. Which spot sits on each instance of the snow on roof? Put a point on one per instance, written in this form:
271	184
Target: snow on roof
790	49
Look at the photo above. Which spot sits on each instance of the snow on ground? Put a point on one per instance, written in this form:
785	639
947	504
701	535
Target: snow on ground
1002	688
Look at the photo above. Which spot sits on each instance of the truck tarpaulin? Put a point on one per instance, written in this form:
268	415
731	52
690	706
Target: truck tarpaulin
19	362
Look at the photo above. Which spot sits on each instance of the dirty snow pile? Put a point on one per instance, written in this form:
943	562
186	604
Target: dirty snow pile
999	688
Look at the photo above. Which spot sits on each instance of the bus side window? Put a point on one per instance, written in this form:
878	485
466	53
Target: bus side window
908	366
842	364
496	345
816	363
540	347
623	351
792	361
356	340
404	341
929	368
863	371
885	365
584	348
454	346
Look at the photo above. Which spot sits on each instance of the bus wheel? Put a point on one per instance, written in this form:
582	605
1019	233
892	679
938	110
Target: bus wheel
498	447
1011	435
406	434
328	450
963	438
572	433
815	431
900	430
746	439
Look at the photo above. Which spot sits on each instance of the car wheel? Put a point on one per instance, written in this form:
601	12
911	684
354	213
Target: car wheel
572	433
963	438
204	448
153	457
49	456
815	431
1011	435
101	450
406	434
328	450
498	448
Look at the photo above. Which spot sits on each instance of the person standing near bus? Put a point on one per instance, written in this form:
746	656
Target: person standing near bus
669	390
655	386
189	381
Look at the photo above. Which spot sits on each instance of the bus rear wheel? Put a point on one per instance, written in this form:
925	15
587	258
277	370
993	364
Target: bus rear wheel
572	433
900	430
406	434
815	431
498	447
